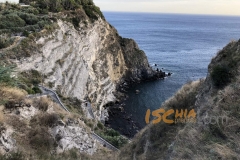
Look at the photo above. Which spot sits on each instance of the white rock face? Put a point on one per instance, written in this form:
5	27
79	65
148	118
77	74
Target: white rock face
74	137
7	143
80	63
28	112
69	135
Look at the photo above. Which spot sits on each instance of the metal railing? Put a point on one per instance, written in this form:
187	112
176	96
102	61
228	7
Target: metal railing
104	142
96	136
58	99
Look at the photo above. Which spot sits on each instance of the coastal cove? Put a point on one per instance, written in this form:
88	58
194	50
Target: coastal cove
181	44
79	83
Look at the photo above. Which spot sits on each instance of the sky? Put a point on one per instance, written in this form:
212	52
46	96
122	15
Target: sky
212	7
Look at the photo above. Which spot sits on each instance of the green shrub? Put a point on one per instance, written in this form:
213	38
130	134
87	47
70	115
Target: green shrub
112	132
30	78
13	156
75	22
113	137
21	19
89	124
87	2
10	21
220	75
5	41
100	125
93	12
36	89
25	33
30	19
6	75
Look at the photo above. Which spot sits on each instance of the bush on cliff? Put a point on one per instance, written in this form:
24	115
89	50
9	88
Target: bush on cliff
220	75
18	20
6	77
5	41
113	137
11	20
91	10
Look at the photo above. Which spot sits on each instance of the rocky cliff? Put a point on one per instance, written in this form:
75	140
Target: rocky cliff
69	47
86	62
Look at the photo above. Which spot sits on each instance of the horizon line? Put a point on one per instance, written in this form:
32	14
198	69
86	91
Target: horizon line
197	14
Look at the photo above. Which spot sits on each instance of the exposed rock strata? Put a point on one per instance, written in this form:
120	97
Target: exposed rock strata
88	63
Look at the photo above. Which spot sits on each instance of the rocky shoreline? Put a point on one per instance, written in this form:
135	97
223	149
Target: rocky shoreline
116	110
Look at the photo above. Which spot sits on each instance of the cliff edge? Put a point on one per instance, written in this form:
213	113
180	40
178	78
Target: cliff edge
72	49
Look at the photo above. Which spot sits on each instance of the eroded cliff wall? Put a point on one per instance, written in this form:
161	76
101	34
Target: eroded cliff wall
87	62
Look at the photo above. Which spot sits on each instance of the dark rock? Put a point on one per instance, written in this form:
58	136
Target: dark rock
7	150
58	137
17	112
61	123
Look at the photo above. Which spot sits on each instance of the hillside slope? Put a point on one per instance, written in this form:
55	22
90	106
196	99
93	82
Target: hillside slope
69	47
72	50
215	134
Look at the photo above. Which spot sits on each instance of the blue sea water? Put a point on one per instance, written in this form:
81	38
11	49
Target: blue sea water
181	44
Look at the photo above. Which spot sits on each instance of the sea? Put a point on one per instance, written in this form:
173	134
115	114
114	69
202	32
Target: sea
181	44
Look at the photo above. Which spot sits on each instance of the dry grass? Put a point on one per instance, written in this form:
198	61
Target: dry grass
193	140
11	94
156	139
215	141
104	154
40	139
2	116
42	103
185	97
17	124
56	108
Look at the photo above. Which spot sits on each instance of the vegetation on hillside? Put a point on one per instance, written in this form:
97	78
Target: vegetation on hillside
216	135
29	21
221	75
6	75
5	41
29	81
20	27
225	65
17	19
112	136
60	5
159	136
